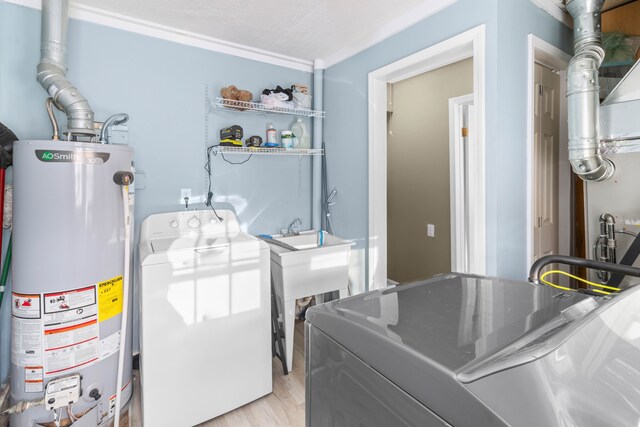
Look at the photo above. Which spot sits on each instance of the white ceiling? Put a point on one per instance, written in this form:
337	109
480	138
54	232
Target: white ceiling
290	33
305	29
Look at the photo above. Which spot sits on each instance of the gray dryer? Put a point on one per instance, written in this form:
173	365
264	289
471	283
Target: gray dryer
466	350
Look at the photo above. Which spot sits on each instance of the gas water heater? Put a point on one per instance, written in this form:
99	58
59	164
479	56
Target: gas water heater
68	270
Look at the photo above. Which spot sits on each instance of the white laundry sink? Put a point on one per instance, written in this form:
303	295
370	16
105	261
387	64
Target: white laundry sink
311	269
307	269
309	240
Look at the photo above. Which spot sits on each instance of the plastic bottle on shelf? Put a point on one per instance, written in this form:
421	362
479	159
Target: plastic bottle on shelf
272	138
300	133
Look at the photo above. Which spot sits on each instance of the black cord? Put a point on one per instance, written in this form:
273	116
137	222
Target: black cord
231	163
207	168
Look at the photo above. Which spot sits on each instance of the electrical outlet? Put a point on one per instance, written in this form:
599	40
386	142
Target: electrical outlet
431	230
184	192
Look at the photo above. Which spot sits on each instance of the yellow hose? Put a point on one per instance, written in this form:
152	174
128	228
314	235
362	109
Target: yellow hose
564	273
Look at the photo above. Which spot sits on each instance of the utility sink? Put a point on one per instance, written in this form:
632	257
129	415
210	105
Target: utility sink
308	268
304	268
309	240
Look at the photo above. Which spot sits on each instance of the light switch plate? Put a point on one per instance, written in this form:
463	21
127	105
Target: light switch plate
431	230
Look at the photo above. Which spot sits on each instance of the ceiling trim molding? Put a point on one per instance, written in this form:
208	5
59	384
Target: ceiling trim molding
389	29
151	29
555	9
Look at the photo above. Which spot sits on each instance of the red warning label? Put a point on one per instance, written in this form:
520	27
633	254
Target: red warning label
70	346
25	306
69	300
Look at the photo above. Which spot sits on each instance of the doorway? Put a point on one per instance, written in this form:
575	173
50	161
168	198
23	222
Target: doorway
546	140
422	174
469	44
549	182
462	152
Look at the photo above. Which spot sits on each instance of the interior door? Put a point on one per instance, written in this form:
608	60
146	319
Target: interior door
546	135
462	167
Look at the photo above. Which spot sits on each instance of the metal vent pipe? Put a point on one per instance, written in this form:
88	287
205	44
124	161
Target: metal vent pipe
52	69
583	92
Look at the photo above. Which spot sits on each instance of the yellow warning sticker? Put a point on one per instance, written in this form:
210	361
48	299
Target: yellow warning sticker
110	298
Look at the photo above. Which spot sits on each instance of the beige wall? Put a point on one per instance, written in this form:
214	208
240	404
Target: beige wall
418	171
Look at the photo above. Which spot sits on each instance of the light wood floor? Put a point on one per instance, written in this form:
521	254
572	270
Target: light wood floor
282	408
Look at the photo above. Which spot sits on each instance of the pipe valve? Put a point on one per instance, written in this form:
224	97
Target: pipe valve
123	178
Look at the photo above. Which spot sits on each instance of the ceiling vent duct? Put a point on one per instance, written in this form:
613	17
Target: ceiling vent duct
583	100
52	69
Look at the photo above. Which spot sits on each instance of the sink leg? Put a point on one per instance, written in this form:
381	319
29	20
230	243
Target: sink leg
289	329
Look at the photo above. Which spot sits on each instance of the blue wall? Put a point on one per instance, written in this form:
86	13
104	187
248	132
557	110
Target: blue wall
508	23
161	85
516	20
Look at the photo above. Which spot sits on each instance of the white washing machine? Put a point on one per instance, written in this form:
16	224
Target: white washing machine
205	336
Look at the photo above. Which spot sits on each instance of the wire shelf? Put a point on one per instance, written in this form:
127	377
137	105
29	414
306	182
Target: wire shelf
244	106
271	151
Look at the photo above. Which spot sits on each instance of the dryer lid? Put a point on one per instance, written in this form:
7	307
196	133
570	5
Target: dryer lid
422	335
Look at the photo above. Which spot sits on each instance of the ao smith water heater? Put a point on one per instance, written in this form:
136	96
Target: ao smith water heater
68	272
71	323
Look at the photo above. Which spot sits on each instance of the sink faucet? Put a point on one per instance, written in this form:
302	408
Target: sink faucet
294	227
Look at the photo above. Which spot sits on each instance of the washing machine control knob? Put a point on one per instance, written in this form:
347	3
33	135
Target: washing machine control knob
193	222
173	224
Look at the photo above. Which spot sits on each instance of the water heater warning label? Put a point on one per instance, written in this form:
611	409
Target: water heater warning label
71	346
70	322
25	306
110	294
59	331
110	345
26	329
33	379
66	301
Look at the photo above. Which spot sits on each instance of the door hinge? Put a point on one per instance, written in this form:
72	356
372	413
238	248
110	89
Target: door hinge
540	90
465	132
539	222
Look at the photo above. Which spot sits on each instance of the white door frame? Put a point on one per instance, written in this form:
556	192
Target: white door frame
550	56
468	44
457	182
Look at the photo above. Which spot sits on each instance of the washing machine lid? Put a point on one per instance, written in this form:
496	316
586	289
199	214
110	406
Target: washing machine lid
187	248
422	335
181	243
175	236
